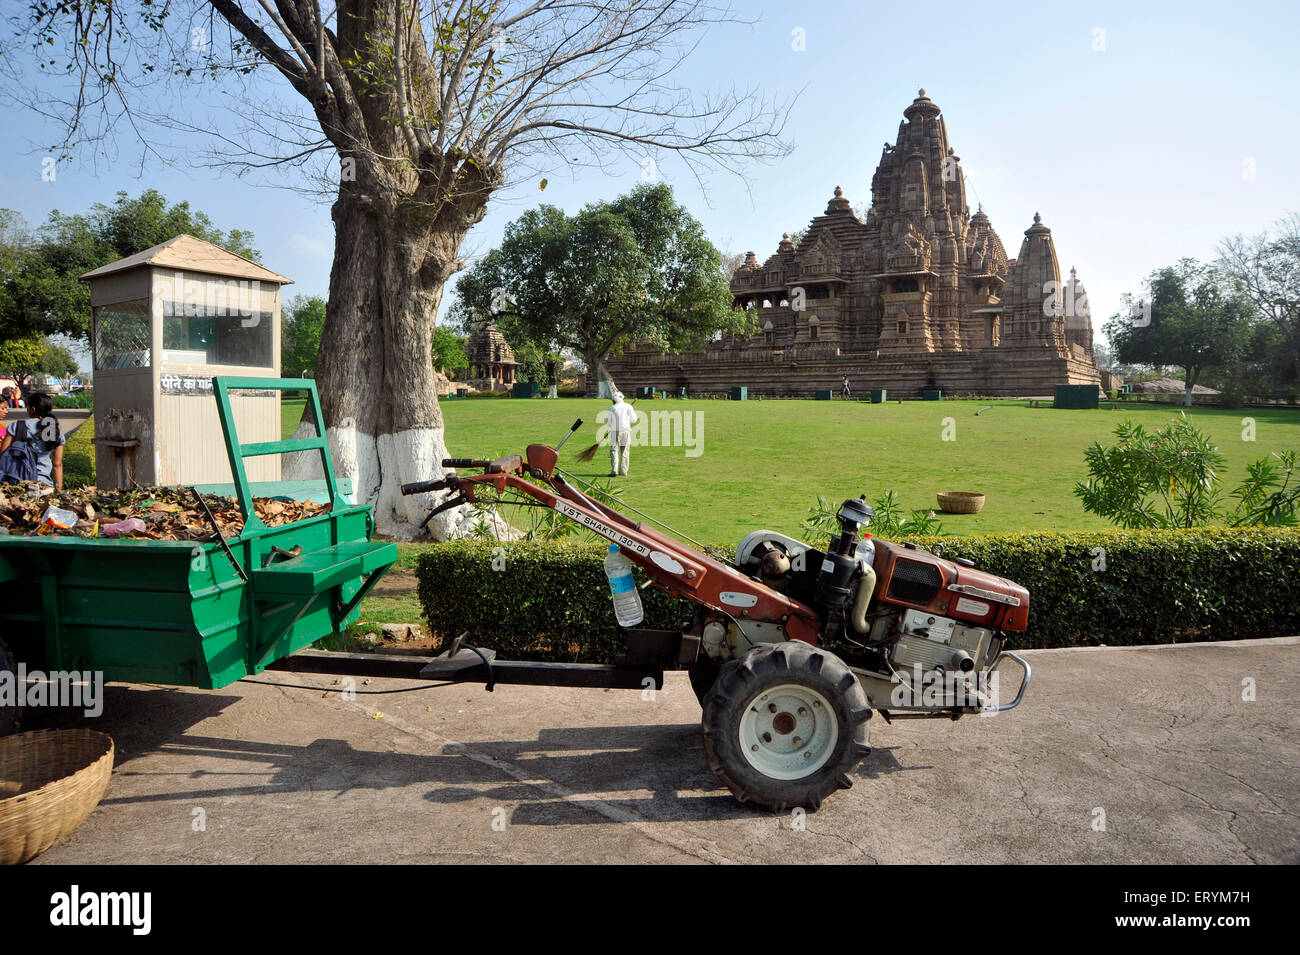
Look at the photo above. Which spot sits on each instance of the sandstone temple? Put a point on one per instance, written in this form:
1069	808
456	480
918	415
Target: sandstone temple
919	295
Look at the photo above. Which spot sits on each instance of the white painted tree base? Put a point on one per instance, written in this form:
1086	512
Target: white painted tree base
379	466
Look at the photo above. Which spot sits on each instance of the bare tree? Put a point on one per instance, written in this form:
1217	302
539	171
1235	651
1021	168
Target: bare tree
1267	267
429	108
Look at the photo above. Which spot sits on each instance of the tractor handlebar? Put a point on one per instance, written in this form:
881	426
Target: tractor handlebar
420	487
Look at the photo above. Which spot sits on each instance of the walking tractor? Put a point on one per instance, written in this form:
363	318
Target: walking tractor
790	649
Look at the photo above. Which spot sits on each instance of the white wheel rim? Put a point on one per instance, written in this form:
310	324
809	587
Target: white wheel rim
788	731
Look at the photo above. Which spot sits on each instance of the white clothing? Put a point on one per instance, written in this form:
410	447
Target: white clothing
619	419
620	457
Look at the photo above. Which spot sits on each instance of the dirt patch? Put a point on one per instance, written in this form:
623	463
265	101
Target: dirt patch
398	581
421	645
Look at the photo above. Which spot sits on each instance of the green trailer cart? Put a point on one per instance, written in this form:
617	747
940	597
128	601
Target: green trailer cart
187	614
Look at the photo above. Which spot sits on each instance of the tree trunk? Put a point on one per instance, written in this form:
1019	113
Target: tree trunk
375	370
596	373
399	222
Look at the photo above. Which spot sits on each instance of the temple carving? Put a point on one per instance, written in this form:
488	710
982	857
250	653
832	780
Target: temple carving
920	294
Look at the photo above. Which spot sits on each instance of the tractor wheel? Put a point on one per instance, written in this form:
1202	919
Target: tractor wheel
784	725
703	673
9	711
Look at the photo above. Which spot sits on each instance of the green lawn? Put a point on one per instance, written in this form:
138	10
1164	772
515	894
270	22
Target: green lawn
764	462
290	415
79	456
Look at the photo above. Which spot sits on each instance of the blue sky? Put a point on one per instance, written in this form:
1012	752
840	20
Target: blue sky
1142	133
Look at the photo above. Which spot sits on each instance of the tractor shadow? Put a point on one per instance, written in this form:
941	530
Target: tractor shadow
587	775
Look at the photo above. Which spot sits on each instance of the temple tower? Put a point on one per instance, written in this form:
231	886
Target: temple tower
1033	314
1078	316
917	228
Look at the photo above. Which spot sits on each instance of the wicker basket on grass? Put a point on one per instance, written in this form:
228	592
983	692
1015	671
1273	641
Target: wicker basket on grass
961	502
50	781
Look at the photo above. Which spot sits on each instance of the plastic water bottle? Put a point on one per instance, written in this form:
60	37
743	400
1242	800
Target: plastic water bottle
627	602
866	549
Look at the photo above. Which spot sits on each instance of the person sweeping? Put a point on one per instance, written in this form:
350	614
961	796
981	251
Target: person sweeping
620	418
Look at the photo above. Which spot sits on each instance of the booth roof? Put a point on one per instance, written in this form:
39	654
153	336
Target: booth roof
190	254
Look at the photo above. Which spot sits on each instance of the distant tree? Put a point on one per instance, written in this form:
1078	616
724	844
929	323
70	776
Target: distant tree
20	356
1101	354
1196	320
731	261
1267	270
481	297
56	360
300	334
448	351
40	289
638	268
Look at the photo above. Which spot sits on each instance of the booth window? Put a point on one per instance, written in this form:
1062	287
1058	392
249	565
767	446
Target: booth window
217	332
122	336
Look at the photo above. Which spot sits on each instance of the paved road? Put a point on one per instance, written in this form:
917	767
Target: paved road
1159	740
70	419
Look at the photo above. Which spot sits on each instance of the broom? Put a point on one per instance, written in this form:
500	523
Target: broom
590	452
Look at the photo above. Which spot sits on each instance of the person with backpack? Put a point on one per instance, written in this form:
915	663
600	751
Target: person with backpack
33	448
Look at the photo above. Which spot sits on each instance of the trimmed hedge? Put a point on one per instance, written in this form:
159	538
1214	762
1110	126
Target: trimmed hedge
1156	586
551	601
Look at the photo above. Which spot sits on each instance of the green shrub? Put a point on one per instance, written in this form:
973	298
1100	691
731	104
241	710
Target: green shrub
1233	395
551	601
82	399
1172	477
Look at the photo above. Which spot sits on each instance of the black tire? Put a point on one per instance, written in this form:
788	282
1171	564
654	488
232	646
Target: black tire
703	673
740	686
9	712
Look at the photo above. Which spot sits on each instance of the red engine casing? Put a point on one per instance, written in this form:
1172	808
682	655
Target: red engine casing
919	580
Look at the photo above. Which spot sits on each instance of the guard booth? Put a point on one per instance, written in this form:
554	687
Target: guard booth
165	321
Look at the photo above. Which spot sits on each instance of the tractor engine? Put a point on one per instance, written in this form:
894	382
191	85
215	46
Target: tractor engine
906	609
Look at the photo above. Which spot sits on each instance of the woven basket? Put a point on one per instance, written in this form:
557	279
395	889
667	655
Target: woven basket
961	502
50	781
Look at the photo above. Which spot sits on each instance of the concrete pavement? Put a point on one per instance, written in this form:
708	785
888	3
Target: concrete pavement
1144	755
70	419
